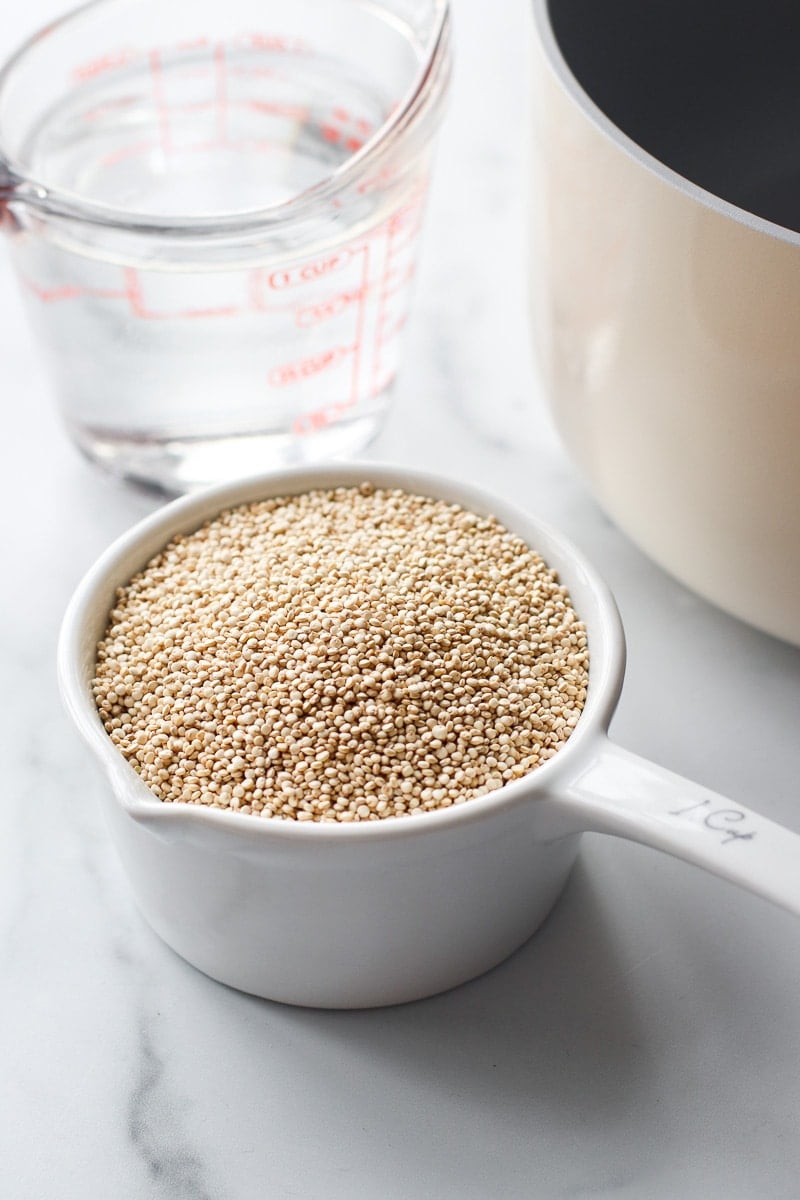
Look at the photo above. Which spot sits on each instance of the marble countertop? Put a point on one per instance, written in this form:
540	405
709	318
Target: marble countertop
644	1045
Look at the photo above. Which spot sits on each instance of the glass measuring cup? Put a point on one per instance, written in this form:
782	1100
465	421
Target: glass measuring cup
379	912
213	213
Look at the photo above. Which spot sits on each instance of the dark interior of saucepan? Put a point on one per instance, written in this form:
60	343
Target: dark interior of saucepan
711	88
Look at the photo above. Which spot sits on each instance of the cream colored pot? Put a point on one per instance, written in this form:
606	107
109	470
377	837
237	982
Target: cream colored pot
666	282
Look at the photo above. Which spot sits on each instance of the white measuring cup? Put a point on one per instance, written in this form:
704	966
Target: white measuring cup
374	913
214	212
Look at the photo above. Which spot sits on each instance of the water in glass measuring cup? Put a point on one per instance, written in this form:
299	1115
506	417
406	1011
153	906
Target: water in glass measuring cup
183	362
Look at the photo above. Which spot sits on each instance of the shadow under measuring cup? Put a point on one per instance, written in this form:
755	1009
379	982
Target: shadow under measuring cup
378	912
214	212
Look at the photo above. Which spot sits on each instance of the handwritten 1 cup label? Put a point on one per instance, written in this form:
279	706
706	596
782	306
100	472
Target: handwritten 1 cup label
724	821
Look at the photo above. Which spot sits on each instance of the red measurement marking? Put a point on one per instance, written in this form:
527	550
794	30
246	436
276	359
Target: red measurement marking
383	179
157	77
118	156
221	84
376	361
255	290
296	372
109	108
99	66
360	326
345	128
310	272
257	293
201	314
296	112
396	281
273	43
69	292
198	43
257	286
135	297
133	292
402	218
314	314
321	417
392	331
374	183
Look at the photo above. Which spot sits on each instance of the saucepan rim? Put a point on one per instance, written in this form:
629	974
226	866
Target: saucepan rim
575	90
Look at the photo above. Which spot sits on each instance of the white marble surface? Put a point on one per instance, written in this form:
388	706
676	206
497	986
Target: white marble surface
645	1045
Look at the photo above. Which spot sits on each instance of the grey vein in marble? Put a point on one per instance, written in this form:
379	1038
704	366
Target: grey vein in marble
153	1128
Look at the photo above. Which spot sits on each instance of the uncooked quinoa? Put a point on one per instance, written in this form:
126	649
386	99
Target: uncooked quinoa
341	655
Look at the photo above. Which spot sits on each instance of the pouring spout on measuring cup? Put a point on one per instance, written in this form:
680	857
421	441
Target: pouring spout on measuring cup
619	793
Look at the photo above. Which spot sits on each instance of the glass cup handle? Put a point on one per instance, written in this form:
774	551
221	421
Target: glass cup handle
619	793
32	195
8	183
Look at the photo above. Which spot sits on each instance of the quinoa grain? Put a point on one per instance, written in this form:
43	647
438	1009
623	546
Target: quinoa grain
342	655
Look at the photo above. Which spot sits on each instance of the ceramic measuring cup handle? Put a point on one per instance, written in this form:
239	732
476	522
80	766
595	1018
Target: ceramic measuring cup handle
620	793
